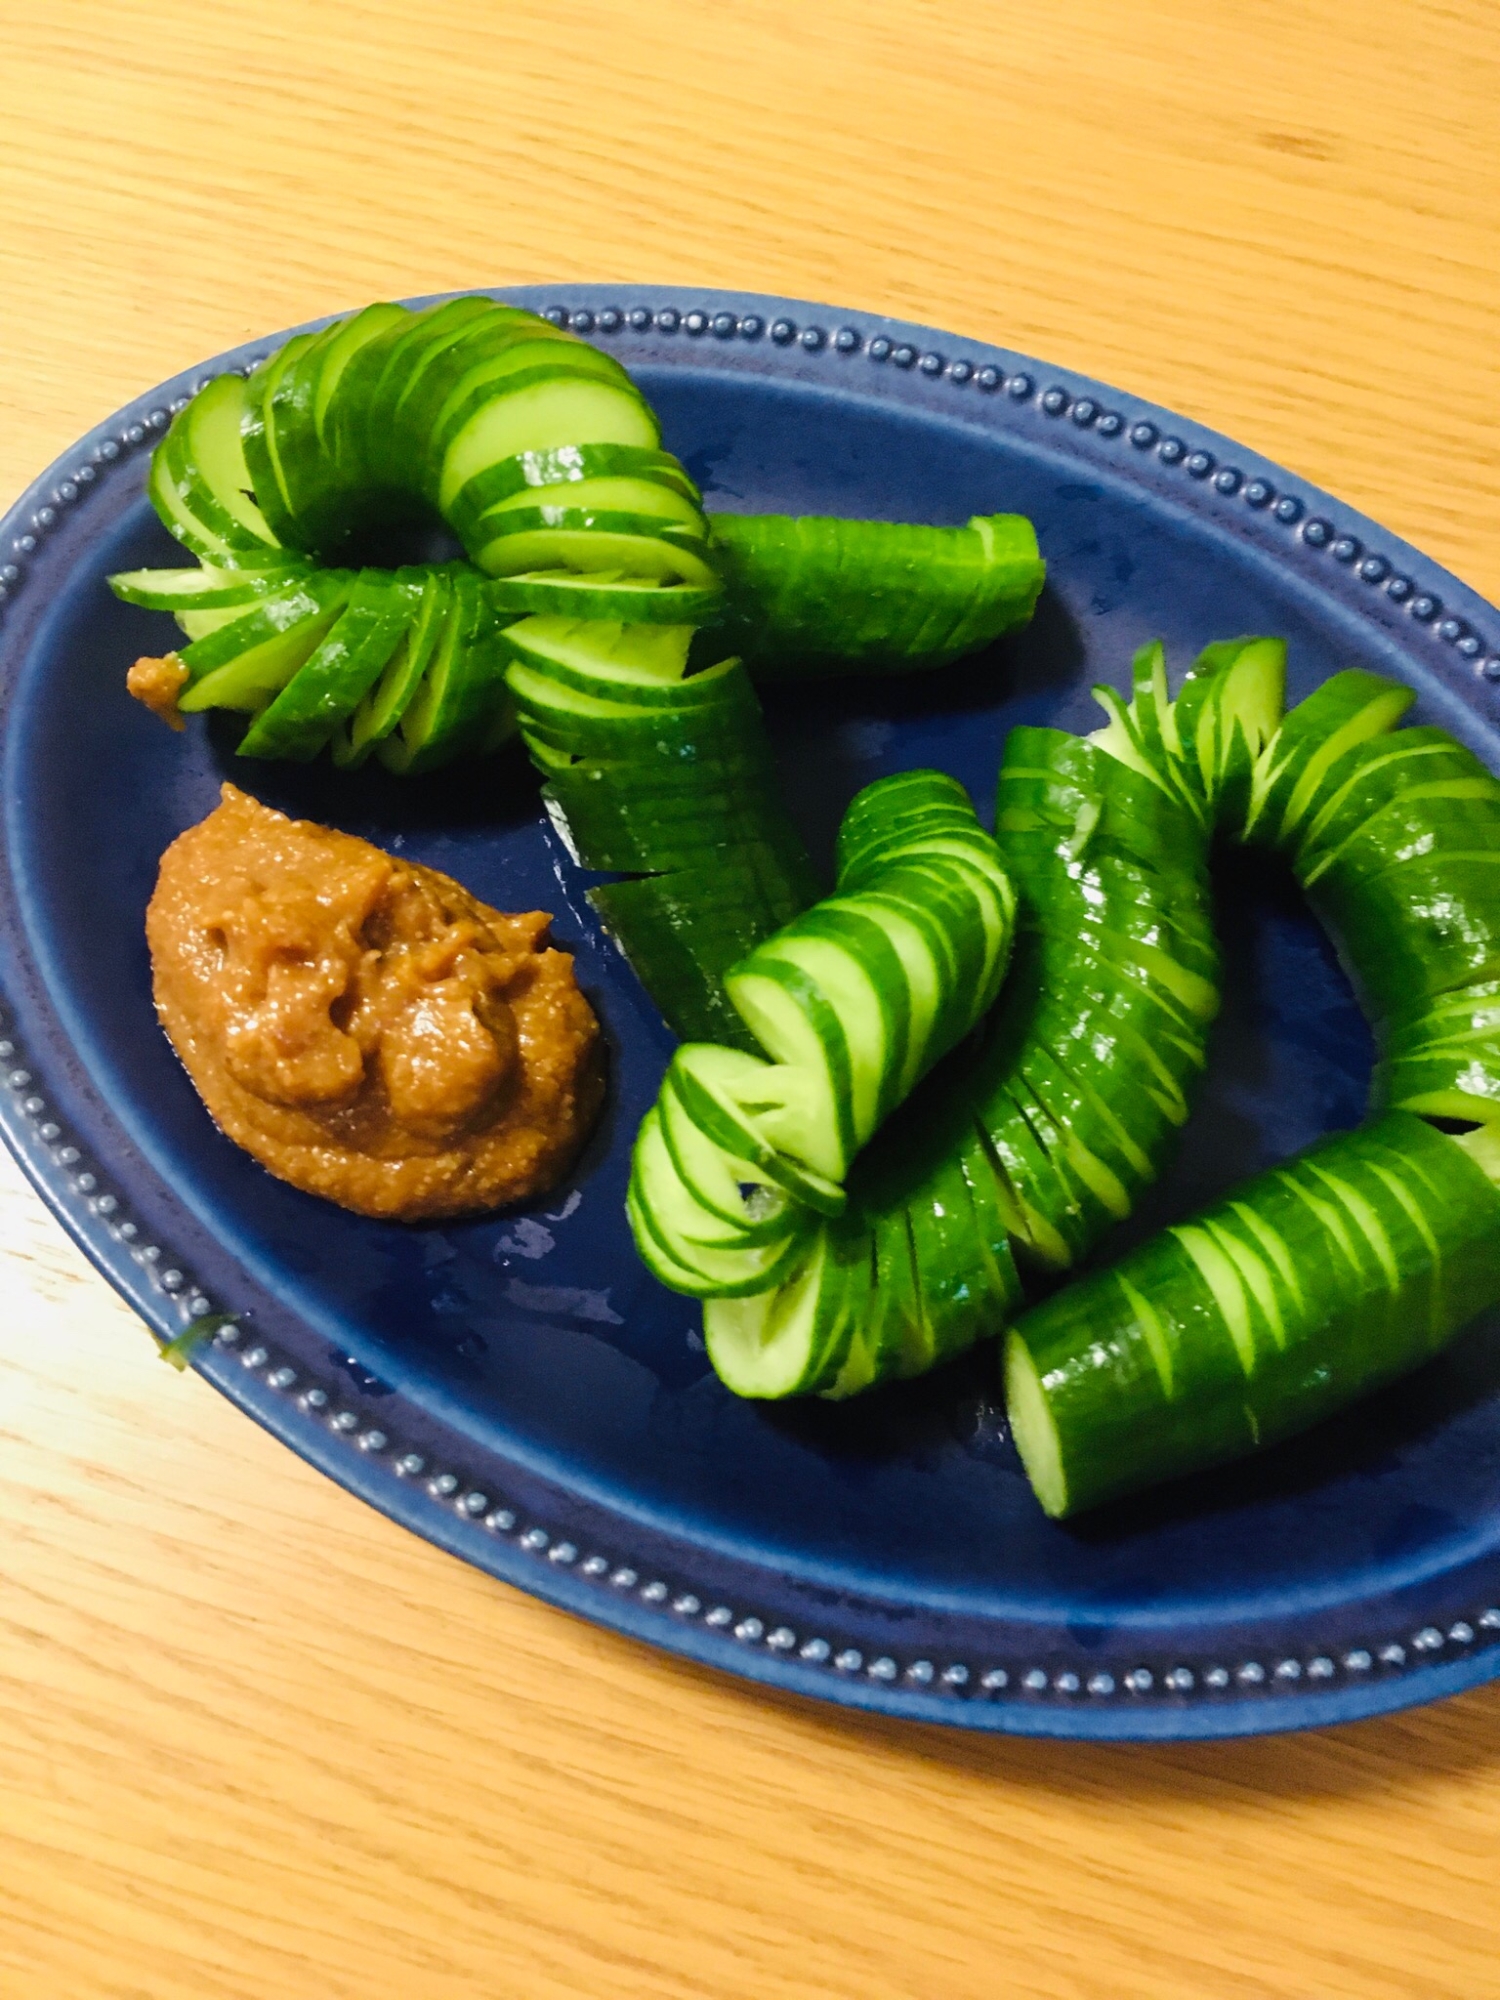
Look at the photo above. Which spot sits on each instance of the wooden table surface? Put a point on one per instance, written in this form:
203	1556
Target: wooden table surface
254	1740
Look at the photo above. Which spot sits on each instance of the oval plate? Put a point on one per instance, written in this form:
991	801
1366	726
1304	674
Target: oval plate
517	1389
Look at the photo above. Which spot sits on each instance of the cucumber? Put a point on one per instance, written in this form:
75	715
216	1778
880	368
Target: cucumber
605	593
1303	1290
868	990
756	1112
272	614
670	776
191	512
681	931
1031	1144
210	465
335	678
812	595
672	1232
537	450
188	591
637	544
260	425
795	1340
1297	768
253	675
461	705
563	470
851	1022
382	708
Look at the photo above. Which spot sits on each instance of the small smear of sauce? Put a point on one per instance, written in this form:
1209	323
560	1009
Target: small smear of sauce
363	1026
158	683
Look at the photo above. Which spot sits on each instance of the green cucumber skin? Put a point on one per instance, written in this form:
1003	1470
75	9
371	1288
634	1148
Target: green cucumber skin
275	613
1102	860
1033	1141
673	782
814	595
330	685
383	416
681	932
462	706
1100	1365
1396	841
577	594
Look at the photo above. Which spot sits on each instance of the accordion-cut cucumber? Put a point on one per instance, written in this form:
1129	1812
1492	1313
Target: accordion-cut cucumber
241	665
867	990
383	705
808	595
1031	1145
1352	1263
461	704
1303	1290
852	1021
539	453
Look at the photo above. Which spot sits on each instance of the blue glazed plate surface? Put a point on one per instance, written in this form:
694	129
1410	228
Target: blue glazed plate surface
517	1389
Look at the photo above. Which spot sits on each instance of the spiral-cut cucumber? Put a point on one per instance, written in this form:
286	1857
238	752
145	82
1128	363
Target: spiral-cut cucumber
1030	1146
1355	1261
1299	1292
853	1002
542	457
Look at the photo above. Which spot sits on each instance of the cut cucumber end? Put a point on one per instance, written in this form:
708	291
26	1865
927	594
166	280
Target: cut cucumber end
1032	1428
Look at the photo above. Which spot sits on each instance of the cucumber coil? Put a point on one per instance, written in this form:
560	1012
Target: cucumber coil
1353	1263
1320	1280
737	1185
540	455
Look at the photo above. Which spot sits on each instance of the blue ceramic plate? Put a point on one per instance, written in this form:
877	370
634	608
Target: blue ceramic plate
519	1390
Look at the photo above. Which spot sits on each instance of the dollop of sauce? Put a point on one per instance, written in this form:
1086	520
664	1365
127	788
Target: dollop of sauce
363	1026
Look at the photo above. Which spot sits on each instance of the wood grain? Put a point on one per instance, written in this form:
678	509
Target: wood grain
254	1741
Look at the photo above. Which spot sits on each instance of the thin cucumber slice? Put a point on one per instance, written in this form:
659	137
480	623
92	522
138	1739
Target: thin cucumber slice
712	1270
567	466
213	454
637	663
1295	769
258	437
729	1189
606	594
462	704
189	510
687	1223
794	1341
565	408
273	615
384	705
204	588
632	543
656	500
762	1113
